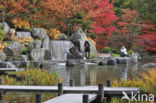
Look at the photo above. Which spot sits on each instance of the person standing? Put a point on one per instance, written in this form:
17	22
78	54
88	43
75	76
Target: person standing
87	49
123	51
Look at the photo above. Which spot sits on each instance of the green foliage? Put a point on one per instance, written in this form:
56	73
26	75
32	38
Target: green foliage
2	34
92	56
130	52
78	19
107	49
115	55
25	51
9	42
16	58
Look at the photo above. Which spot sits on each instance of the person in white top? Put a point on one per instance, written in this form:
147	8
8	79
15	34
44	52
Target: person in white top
123	51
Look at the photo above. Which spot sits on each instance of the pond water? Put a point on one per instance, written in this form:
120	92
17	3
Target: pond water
86	75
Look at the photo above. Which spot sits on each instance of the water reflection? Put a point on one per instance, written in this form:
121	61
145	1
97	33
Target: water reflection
93	75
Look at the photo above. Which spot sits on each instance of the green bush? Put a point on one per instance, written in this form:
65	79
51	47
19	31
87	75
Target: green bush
25	51
130	52
92	56
116	51
2	34
106	50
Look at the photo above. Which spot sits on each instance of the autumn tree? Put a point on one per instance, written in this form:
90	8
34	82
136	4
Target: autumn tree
128	29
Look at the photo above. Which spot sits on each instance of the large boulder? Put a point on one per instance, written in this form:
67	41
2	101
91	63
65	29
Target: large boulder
134	58
38	54
39	33
62	37
2	57
6	27
148	65
36	44
73	62
111	61
79	38
73	53
13	49
46	43
122	60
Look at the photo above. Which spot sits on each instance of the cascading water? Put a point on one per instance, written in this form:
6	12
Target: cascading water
59	49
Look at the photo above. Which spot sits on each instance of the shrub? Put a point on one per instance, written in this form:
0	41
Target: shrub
2	34
130	52
25	51
106	50
53	33
116	51
146	82
92	56
2	46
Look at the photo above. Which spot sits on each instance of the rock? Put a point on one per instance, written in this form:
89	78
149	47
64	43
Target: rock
39	33
136	55
19	58
134	58
10	65
62	37
73	62
73	53
7	65
46	43
47	55
24	64
36	44
122	60
13	49
101	63
2	57
148	65
38	54
93	48
6	28
111	61
78	40
10	34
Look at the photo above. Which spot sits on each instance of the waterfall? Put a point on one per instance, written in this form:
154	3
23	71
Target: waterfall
59	49
23	34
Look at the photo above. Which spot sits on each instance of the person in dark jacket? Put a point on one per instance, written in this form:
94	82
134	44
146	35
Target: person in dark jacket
87	49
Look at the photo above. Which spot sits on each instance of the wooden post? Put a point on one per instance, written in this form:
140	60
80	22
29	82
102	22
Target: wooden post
109	83
38	98
1	93
85	98
100	93
60	89
71	82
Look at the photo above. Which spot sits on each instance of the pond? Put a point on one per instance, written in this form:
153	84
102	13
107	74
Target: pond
85	75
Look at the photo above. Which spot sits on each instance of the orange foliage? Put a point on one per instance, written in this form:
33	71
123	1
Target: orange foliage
2	46
53	33
16	6
21	23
